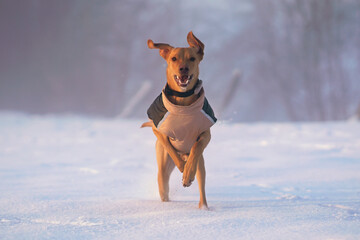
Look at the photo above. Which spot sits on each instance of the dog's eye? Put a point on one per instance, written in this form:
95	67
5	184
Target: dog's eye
173	59
192	59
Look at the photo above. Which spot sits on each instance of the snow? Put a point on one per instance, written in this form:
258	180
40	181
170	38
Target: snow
71	177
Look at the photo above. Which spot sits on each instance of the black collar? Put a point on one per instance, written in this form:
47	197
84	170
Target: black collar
170	92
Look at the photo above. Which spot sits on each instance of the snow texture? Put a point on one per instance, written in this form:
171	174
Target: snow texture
69	177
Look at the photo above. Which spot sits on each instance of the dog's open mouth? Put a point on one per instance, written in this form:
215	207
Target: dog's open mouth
183	81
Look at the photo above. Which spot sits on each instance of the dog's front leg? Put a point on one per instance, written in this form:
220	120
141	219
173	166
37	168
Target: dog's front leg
164	140
194	156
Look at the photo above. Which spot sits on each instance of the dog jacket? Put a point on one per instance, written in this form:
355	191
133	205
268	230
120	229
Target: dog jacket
182	124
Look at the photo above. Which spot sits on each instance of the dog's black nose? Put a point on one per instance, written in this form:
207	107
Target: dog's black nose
184	70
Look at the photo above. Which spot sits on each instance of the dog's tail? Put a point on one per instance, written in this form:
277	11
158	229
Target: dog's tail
147	124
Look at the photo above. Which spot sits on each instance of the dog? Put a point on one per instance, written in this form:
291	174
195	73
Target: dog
181	117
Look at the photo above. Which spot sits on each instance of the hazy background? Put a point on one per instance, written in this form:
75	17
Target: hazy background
284	60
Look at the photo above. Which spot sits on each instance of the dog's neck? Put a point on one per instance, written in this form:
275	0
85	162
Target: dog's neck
183	98
171	92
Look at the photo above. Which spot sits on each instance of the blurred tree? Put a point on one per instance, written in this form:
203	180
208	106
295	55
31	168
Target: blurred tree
300	47
300	59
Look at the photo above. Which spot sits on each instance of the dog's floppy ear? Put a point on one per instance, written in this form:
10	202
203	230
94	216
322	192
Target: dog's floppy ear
164	48
196	43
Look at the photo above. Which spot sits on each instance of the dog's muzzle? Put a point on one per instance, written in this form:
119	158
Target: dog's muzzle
183	81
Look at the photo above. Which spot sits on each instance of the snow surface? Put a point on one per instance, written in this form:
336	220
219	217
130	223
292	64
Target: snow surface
68	177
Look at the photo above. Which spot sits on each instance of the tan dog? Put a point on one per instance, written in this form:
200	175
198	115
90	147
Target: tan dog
181	117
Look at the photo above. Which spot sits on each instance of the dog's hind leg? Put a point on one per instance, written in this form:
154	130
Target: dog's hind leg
200	176
165	167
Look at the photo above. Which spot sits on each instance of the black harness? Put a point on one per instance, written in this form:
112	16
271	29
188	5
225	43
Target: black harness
171	92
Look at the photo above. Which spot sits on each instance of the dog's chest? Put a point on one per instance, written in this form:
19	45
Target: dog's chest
183	130
183	124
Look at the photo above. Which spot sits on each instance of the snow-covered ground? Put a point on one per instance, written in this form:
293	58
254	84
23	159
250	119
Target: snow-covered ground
68	177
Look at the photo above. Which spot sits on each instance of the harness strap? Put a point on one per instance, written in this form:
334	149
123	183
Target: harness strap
171	92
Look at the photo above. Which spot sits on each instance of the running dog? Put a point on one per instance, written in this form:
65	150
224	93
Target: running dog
181	117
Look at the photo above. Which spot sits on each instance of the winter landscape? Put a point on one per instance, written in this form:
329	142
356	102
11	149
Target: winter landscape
68	177
77	77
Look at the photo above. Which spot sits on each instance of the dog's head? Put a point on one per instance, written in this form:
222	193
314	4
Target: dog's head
183	63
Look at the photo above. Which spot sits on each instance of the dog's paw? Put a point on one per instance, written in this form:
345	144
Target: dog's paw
187	183
203	206
182	162
182	166
189	174
165	199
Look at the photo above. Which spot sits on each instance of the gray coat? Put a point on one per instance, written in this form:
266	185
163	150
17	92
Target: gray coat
182	124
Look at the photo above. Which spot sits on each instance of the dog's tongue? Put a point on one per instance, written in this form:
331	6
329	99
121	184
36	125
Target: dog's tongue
184	78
